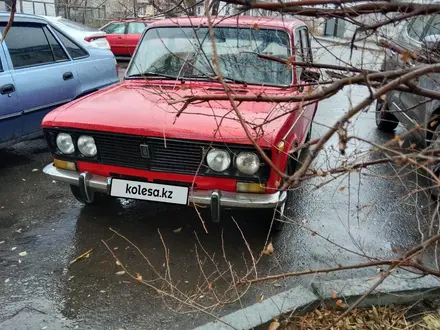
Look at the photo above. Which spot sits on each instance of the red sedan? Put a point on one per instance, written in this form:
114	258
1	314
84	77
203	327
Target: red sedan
133	140
123	36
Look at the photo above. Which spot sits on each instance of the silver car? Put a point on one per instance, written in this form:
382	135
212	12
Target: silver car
87	36
419	35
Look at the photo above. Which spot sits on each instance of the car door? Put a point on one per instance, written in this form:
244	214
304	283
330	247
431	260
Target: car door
43	73
10	113
117	37
419	106
406	105
303	53
134	32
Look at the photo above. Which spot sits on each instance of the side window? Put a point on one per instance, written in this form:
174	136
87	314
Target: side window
115	28
136	28
417	26
299	56
28	46
305	43
434	26
72	48
1	66
58	52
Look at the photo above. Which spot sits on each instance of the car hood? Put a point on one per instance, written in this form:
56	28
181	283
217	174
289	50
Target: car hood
143	109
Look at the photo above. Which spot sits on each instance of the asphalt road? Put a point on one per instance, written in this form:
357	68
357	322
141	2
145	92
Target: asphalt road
373	212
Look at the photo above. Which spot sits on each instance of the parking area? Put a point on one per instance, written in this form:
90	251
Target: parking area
334	222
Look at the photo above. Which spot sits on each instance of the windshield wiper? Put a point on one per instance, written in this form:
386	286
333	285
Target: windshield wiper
154	74
235	81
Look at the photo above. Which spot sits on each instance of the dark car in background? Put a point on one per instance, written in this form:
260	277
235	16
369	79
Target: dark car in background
421	35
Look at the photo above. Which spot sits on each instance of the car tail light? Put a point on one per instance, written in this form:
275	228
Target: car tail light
98	41
91	38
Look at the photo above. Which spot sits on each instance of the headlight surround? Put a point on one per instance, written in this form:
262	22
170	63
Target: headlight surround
65	143
247	162
87	146
218	160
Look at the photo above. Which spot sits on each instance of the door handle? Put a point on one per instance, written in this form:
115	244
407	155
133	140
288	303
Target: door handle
7	89
67	75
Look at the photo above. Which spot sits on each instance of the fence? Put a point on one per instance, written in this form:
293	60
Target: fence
90	16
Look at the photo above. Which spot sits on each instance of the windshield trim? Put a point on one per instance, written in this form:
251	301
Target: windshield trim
195	27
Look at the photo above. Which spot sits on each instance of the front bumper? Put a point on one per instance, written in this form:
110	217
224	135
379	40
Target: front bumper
214	198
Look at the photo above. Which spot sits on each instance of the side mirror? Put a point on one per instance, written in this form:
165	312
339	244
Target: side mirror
432	42
310	76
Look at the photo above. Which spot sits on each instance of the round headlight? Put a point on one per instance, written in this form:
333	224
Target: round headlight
247	163
218	160
87	146
65	143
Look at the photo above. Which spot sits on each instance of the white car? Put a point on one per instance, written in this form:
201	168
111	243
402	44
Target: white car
89	37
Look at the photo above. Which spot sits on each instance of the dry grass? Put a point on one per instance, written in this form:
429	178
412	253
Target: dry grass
380	318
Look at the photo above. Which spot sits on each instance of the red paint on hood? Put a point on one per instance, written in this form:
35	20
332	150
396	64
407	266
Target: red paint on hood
141	107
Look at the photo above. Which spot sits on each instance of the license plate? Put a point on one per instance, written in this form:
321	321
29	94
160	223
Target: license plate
149	191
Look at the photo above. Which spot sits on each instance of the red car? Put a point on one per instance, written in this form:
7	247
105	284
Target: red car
123	36
127	140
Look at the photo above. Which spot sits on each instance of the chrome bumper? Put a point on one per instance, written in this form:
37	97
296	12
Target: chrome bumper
215	198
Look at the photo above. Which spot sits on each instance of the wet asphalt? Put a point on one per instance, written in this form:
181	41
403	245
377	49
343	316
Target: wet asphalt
374	212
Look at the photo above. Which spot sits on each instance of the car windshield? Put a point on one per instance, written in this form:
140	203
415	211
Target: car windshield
186	52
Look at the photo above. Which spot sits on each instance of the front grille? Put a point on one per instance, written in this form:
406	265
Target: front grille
163	155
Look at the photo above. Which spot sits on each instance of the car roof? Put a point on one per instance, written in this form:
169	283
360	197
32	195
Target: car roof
146	20
27	18
260	21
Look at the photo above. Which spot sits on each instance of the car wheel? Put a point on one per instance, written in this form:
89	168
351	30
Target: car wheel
276	216
96	198
385	120
434	144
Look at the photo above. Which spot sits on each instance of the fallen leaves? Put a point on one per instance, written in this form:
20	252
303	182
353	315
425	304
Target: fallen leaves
269	249
255	26
274	325
340	303
260	298
178	230
334	294
341	188
118	263
121	272
23	254
82	256
138	277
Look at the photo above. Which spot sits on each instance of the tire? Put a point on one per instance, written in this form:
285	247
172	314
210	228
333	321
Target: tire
385	120
434	144
96	198
275	216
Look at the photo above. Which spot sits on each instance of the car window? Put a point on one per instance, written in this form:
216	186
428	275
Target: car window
28	46
417	26
58	52
299	55
305	44
1	66
433	26
136	28
72	48
115	28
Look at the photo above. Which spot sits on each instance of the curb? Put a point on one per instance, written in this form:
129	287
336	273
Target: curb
403	287
347	43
